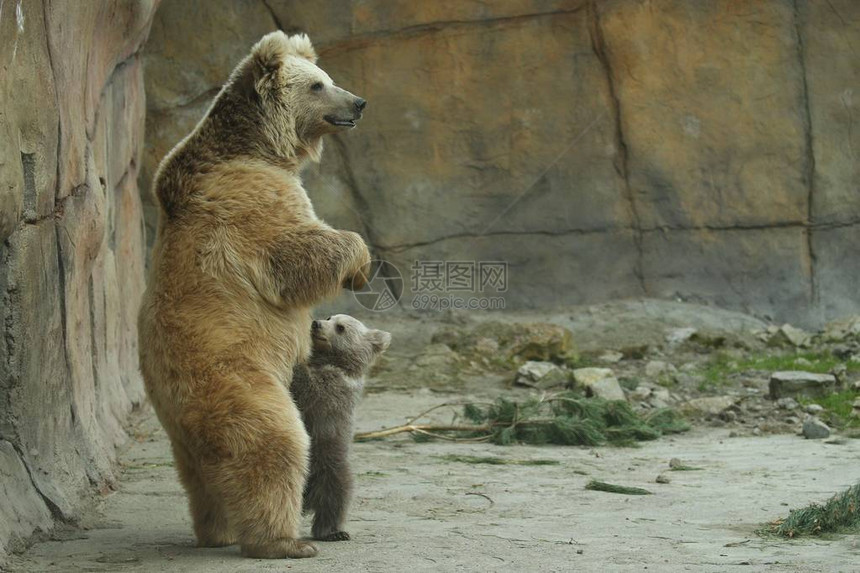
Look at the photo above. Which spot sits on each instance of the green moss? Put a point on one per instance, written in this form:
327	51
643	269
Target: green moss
840	514
612	488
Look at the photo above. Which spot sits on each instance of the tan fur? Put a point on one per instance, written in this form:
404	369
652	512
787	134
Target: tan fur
239	260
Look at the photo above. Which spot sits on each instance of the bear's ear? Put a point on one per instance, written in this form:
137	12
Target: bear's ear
269	55
380	340
300	45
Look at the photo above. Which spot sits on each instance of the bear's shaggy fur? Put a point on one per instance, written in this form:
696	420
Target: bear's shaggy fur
326	390
239	260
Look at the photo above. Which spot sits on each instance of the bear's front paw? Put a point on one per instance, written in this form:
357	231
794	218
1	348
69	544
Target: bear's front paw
335	536
359	279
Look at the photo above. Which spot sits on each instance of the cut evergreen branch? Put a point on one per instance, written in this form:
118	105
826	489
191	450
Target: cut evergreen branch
839	514
612	488
565	418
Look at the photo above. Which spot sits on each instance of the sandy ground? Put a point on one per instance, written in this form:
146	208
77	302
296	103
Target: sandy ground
416	511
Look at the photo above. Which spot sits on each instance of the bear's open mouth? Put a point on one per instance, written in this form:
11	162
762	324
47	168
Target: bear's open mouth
339	122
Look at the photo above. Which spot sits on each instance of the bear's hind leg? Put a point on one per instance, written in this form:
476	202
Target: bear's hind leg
329	493
207	513
262	493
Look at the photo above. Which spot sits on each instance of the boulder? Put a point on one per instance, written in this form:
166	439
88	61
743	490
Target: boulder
798	383
540	375
815	429
598	382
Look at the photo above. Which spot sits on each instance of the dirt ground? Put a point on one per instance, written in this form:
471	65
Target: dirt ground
419	508
417	511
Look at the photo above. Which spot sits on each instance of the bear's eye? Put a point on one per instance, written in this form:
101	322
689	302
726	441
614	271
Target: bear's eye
340	329
317	87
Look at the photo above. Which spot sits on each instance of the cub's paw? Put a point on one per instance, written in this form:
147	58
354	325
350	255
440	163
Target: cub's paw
335	536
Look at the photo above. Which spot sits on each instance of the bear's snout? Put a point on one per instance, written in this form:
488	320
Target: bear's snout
315	325
360	104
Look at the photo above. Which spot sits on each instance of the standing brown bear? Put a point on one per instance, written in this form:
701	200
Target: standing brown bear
239	260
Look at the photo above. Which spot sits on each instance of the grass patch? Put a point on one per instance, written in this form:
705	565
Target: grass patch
496	461
595	485
722	366
839	514
839	408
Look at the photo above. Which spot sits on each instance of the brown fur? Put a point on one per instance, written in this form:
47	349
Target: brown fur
326	391
239	260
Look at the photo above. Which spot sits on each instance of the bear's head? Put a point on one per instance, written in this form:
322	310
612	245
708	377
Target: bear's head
283	96
346	342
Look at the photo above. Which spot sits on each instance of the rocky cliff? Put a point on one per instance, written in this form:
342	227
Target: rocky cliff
71	251
695	150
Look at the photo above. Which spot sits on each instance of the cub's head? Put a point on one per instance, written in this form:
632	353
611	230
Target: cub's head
345	342
299	99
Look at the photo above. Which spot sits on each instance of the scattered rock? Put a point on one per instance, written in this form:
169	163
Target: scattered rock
657	368
799	383
660	398
788	335
611	357
840	330
517	342
540	375
639	394
815	429
599	382
792	420
663	478
803	362
787	403
679	336
814	409
676	463
840	371
710	405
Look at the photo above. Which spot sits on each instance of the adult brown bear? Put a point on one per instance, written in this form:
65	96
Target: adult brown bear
239	260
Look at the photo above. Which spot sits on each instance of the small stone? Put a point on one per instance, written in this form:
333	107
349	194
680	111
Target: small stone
675	463
679	336
540	375
599	382
756	431
663	478
710	405
798	383
729	416
815	429
639	394
803	362
814	409
657	368
792	420
660	398
611	357
840	370
787	403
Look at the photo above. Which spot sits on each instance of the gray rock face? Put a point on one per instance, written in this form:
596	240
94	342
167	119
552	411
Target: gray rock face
799	383
670	176
71	259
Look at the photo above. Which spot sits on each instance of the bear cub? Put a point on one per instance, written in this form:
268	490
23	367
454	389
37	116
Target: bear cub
326	390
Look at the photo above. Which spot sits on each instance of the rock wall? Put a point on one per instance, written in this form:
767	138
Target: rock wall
72	246
703	151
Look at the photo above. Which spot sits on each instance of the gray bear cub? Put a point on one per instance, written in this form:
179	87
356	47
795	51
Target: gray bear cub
326	390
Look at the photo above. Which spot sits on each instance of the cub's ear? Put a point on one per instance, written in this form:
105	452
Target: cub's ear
380	340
